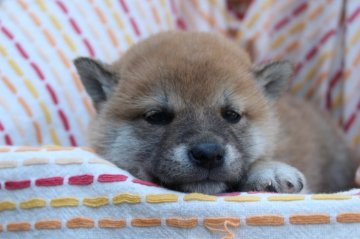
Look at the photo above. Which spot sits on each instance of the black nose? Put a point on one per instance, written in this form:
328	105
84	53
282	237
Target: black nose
207	155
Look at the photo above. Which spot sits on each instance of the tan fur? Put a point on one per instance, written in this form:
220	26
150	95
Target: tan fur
202	71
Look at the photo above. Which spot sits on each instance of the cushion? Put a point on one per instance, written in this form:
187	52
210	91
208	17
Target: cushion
53	192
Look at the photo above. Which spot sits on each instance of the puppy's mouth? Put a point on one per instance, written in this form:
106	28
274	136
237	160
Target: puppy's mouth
205	182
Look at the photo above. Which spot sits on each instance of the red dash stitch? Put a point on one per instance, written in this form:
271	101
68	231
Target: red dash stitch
123	5
75	26
52	94
37	70
300	9
181	24
12	185
88	46
1	127
351	120
72	140
354	15
7	33
327	36
62	6
146	183
54	181
311	53
8	140
106	178
85	179
135	26
21	50
281	23
64	120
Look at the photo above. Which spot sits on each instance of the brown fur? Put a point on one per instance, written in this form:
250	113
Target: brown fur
196	76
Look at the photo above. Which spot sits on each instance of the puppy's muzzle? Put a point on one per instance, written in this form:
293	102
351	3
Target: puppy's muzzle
207	155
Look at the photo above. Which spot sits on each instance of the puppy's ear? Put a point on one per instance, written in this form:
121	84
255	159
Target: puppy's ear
97	79
274	78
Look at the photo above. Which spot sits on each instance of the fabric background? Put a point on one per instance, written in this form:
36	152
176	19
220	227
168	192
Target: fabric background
43	102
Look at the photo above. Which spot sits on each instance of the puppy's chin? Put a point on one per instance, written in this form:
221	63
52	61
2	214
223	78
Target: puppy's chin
206	187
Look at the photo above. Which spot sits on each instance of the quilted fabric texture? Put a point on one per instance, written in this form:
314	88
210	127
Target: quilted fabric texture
62	192
43	102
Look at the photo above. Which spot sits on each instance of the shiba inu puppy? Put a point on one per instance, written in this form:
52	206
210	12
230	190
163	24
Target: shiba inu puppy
189	111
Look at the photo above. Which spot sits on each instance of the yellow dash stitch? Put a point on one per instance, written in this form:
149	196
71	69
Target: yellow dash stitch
68	161
33	203
35	161
7	205
330	197
265	220
302	219
48	224
80	222
350	217
96	202
182	222
199	197
160	198
1	228
7	164
242	198
18	226
146	222
126	198
64	202
286	198
111	223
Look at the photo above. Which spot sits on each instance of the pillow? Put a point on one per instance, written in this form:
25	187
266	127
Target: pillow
53	192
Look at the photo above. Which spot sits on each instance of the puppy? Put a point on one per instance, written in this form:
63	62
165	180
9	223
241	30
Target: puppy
190	112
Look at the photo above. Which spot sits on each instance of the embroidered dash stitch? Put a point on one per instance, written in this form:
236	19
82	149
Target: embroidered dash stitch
53	181
330	197
182	222
146	222
13	185
286	198
242	198
199	197
7	164
349	217
18	226
35	161
265	220
66	161
80	222
33	203
126	198
111	223
7	205
96	202
107	178
64	202
161	198
48	224
85	179
302	219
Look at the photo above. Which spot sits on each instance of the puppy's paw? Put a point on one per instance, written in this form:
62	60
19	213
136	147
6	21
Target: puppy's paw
272	176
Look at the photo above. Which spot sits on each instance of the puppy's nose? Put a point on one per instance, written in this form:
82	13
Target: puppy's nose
207	155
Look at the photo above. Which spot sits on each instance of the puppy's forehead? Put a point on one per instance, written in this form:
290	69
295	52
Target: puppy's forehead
186	68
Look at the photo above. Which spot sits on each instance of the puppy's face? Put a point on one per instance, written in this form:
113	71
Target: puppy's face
185	110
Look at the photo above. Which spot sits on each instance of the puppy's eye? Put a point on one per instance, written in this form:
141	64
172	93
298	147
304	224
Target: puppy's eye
158	117
231	116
